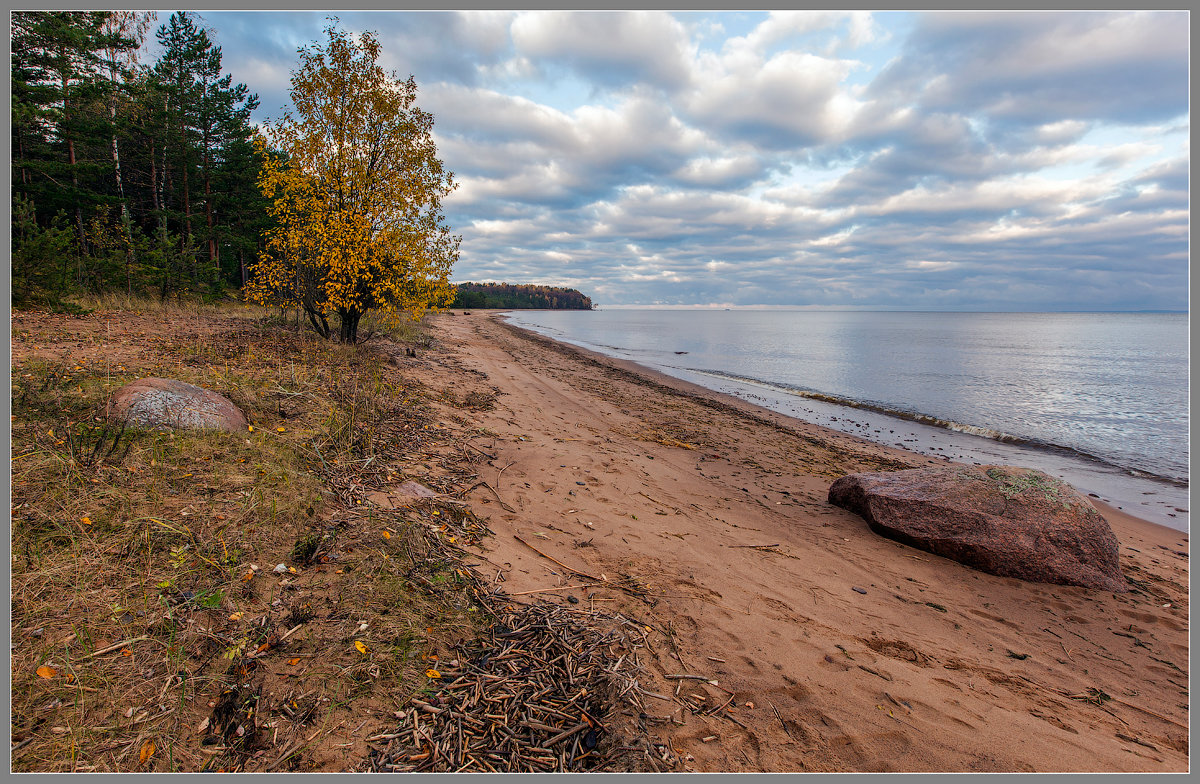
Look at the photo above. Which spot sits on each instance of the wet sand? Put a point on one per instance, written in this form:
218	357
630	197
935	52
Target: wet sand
834	649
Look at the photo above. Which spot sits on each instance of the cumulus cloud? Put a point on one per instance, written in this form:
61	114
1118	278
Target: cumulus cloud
1024	68
608	48
971	160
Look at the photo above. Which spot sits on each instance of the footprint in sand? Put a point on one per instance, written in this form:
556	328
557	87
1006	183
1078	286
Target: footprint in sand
995	618
897	649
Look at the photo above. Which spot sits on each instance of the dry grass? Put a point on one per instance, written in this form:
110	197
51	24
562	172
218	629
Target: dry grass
143	563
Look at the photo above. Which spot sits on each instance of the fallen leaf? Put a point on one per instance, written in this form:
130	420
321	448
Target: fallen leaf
362	648
148	749
432	674
293	662
249	576
251	428
126	652
279	429
237	616
387	535
86	521
46	672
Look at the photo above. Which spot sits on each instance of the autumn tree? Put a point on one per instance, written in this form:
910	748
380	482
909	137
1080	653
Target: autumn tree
356	193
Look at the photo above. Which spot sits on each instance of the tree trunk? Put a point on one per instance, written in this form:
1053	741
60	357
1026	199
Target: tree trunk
320	324
214	257
129	256
187	197
156	195
71	160
349	326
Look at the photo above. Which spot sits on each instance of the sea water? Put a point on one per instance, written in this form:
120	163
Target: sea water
1099	399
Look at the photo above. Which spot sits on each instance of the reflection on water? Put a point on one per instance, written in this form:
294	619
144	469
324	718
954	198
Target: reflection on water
1112	386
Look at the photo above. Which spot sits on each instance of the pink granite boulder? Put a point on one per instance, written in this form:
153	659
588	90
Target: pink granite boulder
158	403
1007	521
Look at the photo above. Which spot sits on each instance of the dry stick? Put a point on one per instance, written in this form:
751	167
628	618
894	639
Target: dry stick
501	471
675	645
115	646
1147	711
566	734
752	546
480	451
782	723
560	563
287	634
655	500
291	750
506	507
548	590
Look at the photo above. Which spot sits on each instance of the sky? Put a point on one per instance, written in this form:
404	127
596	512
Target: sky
887	160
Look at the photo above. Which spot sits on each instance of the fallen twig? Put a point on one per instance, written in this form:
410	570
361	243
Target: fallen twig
782	723
560	563
115	646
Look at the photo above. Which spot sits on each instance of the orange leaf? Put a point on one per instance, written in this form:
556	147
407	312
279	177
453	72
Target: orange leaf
432	674
148	749
362	648
126	652
46	672
387	535
294	662
86	521
279	429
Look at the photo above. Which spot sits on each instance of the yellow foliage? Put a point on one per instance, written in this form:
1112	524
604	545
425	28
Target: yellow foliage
356	192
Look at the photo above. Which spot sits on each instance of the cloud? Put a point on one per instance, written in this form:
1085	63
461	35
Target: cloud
1037	68
613	50
958	160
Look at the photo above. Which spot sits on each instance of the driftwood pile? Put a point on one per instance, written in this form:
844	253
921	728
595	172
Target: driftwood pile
537	696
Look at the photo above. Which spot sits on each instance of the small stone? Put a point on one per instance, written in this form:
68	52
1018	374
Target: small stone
280	569
855	588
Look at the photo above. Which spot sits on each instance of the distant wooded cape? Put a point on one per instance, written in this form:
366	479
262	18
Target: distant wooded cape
519	296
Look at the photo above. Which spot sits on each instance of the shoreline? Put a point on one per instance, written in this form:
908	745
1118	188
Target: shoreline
1156	500
699	391
823	646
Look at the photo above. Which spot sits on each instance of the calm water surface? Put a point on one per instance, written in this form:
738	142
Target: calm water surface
1097	398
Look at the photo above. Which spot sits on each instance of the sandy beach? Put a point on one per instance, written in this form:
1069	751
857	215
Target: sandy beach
834	648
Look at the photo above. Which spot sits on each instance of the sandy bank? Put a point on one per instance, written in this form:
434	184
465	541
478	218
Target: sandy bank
832	648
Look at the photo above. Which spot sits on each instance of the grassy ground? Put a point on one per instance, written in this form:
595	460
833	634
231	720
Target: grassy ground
153	625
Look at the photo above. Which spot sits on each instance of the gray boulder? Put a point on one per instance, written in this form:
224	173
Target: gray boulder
158	403
1007	521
